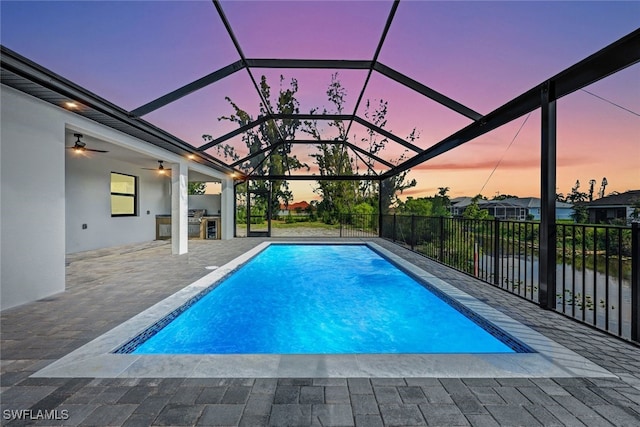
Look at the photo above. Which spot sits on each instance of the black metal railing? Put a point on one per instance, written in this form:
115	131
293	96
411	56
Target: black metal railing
358	225
597	266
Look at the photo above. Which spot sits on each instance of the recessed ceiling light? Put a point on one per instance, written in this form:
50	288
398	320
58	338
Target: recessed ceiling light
71	105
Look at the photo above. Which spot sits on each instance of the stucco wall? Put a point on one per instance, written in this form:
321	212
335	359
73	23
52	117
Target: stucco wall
32	199
47	195
88	202
210	202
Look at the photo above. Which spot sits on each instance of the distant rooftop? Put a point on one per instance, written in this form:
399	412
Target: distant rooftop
620	199
523	202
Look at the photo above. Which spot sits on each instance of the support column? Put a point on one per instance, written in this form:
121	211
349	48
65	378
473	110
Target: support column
179	208
380	184
635	282
547	264
228	213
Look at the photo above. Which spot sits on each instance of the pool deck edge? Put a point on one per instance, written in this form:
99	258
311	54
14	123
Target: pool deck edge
96	360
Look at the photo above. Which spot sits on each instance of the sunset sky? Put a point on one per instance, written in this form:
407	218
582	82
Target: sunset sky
481	54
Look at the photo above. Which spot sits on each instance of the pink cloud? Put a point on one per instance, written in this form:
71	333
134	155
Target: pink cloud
529	163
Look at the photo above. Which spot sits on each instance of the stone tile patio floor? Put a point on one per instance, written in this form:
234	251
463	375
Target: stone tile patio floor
105	288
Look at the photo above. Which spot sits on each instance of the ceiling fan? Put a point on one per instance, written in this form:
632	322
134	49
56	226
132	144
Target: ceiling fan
80	146
161	169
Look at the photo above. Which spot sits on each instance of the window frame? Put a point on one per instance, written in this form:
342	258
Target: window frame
133	195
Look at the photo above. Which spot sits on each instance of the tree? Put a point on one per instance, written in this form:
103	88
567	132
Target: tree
334	159
436	205
196	188
592	183
576	196
363	209
390	188
271	133
338	197
503	196
422	206
473	211
377	115
580	215
442	203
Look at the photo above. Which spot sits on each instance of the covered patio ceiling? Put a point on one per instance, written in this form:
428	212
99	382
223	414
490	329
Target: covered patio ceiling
167	67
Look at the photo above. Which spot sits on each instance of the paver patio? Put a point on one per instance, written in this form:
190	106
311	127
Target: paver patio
107	287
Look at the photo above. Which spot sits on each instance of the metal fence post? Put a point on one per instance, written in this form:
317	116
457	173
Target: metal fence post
496	251
380	220
393	235
635	281
413	231
441	238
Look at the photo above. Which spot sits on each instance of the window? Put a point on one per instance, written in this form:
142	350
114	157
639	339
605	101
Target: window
124	195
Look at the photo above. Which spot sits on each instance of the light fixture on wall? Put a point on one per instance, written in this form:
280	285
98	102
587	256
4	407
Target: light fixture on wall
80	146
237	176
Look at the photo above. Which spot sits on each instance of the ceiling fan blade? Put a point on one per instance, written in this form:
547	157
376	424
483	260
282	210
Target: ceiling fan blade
160	169
83	148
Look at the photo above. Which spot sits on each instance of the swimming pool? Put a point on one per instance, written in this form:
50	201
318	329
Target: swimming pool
320	299
97	358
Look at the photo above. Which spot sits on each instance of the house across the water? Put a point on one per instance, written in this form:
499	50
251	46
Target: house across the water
614	207
514	208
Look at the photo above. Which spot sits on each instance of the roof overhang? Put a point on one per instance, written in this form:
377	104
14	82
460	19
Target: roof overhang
26	76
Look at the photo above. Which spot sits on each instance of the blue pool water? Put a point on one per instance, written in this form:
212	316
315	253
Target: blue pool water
320	299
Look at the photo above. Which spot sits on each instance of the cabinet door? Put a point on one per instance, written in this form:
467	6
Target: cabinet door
164	231
163	228
212	229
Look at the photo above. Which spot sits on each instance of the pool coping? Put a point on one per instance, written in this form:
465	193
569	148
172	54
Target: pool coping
95	359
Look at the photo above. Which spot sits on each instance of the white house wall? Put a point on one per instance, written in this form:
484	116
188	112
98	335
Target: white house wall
210	202
43	207
227	202
88	202
32	199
